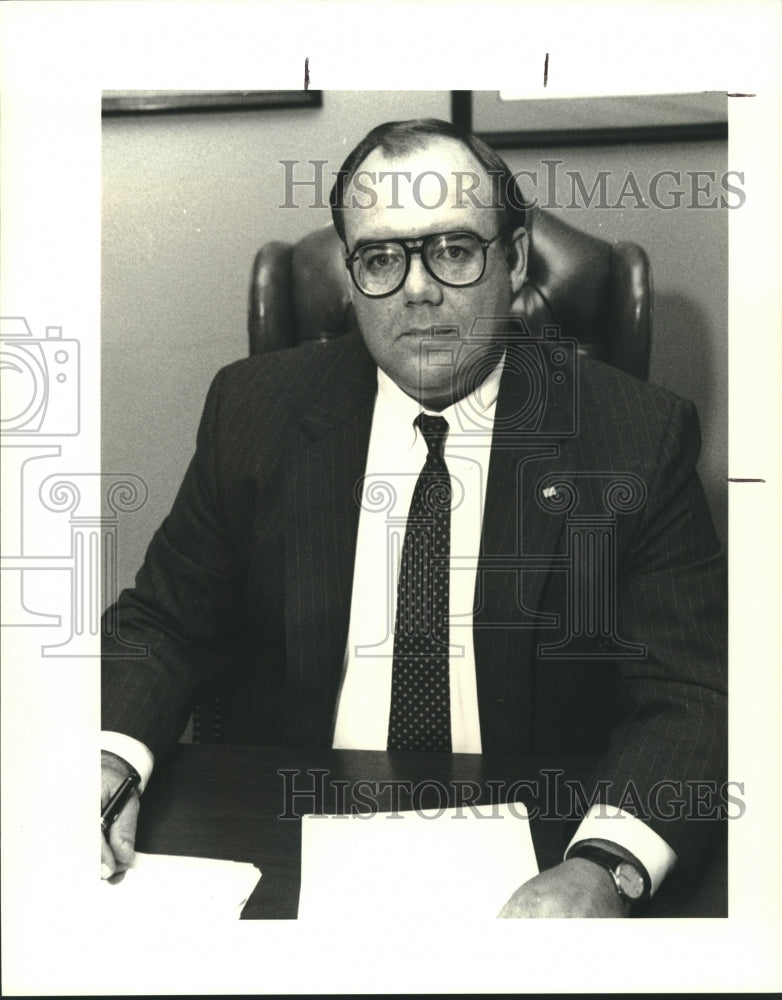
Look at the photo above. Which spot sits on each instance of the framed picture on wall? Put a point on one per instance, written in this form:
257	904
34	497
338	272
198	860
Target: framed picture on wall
504	119
133	102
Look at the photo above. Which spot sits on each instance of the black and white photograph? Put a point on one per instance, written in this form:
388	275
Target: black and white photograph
382	534
268	610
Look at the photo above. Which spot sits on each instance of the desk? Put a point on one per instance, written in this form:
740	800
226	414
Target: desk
244	803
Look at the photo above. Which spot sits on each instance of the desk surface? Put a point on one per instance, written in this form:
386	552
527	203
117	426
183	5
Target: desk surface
245	803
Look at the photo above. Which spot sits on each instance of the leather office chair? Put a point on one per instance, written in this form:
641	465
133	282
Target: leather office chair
598	293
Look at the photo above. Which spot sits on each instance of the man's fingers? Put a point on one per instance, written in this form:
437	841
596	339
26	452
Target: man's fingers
108	864
122	834
117	845
523	903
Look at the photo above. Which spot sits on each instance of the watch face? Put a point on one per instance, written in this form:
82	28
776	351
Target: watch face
630	880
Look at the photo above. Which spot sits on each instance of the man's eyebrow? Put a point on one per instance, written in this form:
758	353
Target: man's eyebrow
371	241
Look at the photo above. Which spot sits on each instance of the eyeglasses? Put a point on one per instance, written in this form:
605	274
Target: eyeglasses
454	259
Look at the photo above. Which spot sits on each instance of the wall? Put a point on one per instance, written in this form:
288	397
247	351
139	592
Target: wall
688	251
188	199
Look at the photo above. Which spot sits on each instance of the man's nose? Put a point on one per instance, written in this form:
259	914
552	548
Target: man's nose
420	286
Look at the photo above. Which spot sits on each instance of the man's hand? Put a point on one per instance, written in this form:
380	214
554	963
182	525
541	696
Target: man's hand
575	888
116	852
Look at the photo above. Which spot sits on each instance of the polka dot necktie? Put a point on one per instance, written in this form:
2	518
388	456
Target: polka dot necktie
420	716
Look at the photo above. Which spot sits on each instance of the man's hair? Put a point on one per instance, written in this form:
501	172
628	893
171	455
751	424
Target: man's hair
399	138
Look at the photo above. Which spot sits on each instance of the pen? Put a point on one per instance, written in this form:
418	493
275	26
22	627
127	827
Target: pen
117	802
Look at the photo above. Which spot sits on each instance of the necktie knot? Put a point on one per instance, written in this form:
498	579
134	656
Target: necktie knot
435	432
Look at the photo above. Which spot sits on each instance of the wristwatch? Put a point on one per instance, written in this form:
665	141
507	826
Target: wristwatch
630	878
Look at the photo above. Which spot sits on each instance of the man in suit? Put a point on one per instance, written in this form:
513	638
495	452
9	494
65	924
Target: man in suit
571	490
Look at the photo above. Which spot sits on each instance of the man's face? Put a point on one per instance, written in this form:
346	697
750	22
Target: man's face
394	327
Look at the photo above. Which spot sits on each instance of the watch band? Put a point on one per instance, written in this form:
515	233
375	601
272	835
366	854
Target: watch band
611	863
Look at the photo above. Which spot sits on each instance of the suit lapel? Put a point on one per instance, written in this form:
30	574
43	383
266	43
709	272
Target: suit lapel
321	527
518	537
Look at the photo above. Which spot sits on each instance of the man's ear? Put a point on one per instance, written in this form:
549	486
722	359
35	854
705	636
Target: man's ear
519	256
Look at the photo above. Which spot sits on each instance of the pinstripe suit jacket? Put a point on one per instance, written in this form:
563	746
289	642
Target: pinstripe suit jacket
253	567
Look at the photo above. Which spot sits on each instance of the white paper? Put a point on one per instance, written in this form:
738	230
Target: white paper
159	885
451	865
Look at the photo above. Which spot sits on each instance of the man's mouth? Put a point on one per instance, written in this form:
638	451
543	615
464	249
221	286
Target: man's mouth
430	332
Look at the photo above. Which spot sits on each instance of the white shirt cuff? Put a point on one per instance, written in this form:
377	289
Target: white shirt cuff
604	822
133	751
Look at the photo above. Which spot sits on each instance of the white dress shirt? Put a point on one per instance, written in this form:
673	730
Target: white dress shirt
397	453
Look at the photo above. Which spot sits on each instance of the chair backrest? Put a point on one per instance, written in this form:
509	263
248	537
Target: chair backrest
598	293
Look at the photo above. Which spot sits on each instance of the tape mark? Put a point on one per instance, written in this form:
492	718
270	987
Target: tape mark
545	71
731	480
307	73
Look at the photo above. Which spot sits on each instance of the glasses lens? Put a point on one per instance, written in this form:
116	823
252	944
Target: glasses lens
378	267
455	258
